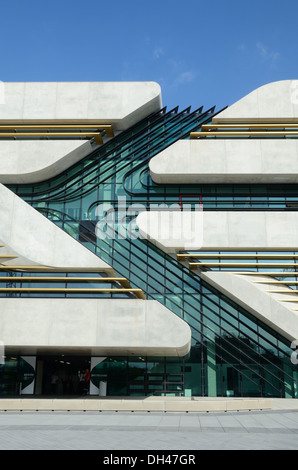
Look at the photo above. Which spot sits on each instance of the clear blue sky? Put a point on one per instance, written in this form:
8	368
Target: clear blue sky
200	52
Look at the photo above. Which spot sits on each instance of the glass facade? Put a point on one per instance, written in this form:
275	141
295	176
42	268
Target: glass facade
233	353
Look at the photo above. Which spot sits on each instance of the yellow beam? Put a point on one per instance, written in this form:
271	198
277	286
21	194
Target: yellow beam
282	291
288	300
195	135
285	283
237	256
264	273
8	256
49	268
96	135
240	265
63	279
108	128
205	127
138	292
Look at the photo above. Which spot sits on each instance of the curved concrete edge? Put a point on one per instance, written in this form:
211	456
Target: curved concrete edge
100	326
270	103
37	240
152	105
227	161
35	161
147	404
255	299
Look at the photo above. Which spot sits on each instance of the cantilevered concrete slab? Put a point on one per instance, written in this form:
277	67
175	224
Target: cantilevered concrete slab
269	103
233	231
38	241
222	230
231	159
245	161
26	162
120	104
92	326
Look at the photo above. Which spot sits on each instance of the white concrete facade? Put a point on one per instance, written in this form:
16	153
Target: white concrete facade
269	103
238	160
98	326
223	230
135	327
114	326
120	104
209	161
35	161
255	231
94	326
37	241
253	297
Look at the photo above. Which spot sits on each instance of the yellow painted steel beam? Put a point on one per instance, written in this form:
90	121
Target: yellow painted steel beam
138	292
288	300
237	256
96	135
50	269
63	279
264	273
195	135
8	256
240	265
280	291
284	283
205	127
108	128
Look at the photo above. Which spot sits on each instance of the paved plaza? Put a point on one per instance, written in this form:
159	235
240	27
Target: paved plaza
110	430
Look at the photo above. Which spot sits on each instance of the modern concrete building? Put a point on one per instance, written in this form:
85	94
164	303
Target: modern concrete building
155	249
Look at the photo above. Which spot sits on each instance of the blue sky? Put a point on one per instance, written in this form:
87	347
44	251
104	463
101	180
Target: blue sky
200	52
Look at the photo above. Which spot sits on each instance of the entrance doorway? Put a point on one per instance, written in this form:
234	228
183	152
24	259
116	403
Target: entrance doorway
61	374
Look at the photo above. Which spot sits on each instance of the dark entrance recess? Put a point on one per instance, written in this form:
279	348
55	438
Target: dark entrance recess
61	374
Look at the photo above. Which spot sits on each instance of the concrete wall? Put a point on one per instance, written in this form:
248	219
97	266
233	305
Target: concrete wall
37	240
233	231
121	104
210	230
254	298
227	161
269	103
98	326
35	161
